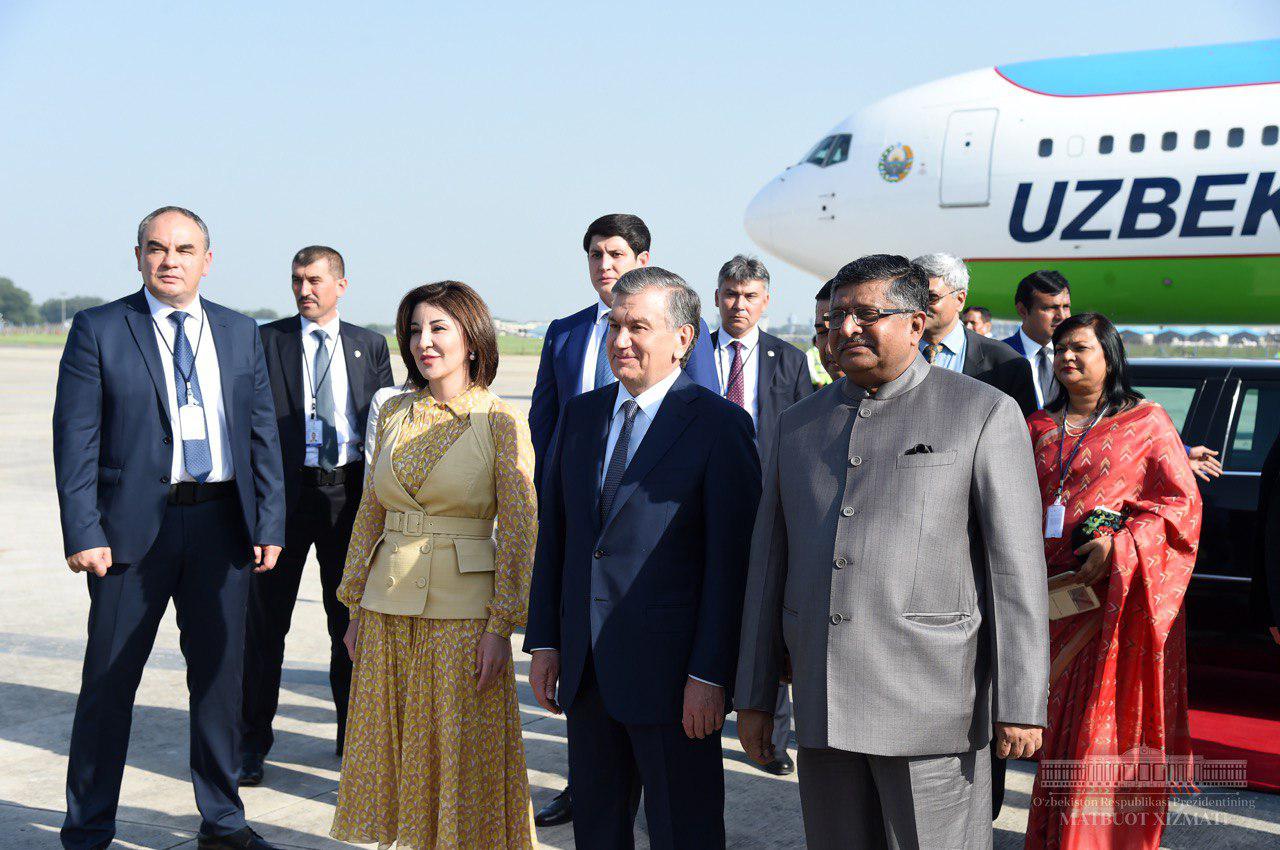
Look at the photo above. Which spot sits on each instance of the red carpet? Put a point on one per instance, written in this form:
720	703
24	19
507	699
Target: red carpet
1235	714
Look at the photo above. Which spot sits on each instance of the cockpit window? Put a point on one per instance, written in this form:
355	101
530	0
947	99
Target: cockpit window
829	151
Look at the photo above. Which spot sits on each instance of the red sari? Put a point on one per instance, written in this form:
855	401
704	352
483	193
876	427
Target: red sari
1118	692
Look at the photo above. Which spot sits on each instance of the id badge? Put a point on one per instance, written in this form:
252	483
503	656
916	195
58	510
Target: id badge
191	422
315	431
1053	520
312	456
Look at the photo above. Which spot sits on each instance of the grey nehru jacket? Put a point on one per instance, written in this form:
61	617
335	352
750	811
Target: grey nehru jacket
909	589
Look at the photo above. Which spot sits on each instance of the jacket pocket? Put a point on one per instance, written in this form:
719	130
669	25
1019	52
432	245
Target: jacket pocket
109	475
946	618
927	459
474	556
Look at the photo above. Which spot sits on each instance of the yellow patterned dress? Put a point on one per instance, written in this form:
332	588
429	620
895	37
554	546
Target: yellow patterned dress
429	762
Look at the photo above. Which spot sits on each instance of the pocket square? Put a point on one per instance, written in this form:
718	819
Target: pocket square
918	449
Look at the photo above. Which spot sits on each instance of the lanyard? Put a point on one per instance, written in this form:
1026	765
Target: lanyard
186	376
724	381
1062	470
316	384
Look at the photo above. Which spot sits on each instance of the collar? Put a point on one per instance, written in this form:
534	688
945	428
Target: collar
650	399
161	311
911	377
749	340
330	327
1030	346
460	405
602	310
952	342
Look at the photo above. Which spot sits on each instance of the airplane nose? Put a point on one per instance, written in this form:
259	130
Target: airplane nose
762	213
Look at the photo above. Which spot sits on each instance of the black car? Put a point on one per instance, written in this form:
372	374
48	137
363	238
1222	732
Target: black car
1232	406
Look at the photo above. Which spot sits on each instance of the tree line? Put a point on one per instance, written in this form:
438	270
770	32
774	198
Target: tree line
18	308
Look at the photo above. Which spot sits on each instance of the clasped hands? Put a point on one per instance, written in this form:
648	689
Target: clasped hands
703	711
98	560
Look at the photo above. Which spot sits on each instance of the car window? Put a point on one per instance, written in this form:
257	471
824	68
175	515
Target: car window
1254	429
1175	399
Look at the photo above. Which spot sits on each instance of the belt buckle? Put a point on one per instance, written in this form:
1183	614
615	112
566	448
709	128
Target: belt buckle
413	524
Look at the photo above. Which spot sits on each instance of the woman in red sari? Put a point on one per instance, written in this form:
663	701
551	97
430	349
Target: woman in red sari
1118	672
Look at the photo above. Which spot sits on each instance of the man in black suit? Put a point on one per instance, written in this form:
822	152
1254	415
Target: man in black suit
951	345
646	507
324	372
169	487
764	376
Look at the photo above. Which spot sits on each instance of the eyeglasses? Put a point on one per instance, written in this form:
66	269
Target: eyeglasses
934	299
862	315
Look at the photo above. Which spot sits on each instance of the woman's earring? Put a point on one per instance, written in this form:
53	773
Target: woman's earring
472	355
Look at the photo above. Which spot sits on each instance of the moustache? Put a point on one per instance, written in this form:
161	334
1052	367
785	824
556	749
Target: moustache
856	341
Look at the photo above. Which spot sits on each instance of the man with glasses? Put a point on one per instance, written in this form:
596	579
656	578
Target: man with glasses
899	563
951	345
823	366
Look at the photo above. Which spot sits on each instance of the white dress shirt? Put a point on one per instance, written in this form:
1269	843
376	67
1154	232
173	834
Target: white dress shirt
750	366
1031	351
344	418
598	330
210	376
380	398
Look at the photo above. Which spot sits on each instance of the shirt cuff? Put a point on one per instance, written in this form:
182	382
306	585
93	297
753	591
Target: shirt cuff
705	682
543	649
1187	449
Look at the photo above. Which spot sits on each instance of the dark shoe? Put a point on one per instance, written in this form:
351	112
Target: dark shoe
780	767
250	769
558	811
241	839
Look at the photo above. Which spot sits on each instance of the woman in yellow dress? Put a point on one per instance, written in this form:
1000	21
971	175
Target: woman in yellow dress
437	577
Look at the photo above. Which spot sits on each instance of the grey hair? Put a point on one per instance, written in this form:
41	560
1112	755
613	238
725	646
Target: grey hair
684	307
204	228
950	268
742	269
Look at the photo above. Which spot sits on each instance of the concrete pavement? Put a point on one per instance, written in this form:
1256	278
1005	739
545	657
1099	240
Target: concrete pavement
42	633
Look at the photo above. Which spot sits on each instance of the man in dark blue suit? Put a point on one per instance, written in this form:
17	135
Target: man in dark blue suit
646	508
574	362
169	486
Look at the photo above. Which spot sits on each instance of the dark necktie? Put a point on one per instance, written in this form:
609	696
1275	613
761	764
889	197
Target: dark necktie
931	351
618	462
1048	384
604	375
325	408
196	456
734	390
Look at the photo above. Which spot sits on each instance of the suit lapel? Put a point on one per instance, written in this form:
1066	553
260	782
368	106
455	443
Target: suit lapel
224	345
673	417
289	355
971	354
139	319
603	418
352	355
575	349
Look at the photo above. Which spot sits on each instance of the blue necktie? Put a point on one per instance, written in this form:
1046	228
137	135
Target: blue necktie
604	375
195	453
617	463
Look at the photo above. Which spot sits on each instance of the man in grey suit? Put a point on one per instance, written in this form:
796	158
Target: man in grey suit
897	558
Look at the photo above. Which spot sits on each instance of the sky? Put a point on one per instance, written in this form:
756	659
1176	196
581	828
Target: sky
472	143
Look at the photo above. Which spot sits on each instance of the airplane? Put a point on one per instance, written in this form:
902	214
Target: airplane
1149	179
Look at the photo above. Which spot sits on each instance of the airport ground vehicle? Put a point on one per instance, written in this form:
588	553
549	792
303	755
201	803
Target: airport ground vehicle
1232	406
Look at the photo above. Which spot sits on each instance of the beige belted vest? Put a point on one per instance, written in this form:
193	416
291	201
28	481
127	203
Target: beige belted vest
435	557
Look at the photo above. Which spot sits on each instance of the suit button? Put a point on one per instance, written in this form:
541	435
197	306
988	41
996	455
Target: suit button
864	412
847	511
598	554
855	461
395	549
390	582
164	479
424	548
837	619
166	440
422	582
841	563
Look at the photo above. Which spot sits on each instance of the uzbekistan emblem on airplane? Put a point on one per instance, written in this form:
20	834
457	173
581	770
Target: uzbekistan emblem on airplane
895	163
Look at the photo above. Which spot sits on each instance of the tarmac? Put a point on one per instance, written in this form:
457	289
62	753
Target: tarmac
42	635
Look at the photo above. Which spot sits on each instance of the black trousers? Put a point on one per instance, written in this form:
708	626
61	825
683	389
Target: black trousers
201	559
322	517
611	762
